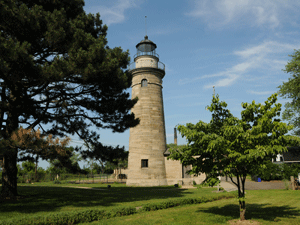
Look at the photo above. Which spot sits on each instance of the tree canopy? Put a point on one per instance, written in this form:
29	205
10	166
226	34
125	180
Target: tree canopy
107	154
57	73
233	147
291	90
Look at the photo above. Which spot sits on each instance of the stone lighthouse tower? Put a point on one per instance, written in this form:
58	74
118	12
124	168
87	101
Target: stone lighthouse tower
147	141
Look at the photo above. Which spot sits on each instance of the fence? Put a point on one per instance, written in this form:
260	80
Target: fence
72	178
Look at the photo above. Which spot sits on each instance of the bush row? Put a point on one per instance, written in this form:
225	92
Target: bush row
184	201
72	217
94	215
277	171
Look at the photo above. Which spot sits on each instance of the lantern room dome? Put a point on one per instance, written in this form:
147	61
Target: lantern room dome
146	56
146	45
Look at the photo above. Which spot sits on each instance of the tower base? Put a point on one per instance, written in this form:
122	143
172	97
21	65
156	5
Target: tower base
146	182
165	182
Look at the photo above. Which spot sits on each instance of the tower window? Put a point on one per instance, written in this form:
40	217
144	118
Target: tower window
144	163
144	83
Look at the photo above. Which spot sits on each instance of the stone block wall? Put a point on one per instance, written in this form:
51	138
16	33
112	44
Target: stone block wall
147	140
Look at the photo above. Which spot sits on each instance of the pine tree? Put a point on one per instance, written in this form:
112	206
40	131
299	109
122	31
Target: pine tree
56	69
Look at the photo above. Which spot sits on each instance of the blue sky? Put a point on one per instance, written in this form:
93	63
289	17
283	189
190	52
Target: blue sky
238	46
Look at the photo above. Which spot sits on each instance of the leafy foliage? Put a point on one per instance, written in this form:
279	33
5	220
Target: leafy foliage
231	146
288	170
271	171
27	167
65	164
291	90
184	201
107	156
30	143
74	217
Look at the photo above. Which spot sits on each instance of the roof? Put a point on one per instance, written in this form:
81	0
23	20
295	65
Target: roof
146	45
293	154
167	152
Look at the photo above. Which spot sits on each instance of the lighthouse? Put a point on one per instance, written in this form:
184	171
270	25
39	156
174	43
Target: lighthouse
147	141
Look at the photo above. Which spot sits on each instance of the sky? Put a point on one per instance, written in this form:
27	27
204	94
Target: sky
239	46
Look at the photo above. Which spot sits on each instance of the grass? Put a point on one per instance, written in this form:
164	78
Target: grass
44	198
266	206
280	207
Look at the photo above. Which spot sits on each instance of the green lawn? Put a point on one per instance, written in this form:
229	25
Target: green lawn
265	206
47	197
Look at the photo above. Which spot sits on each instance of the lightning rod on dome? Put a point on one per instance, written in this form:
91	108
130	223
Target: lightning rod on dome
146	24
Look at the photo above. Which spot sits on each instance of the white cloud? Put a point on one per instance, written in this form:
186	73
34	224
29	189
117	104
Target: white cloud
114	13
218	13
265	48
265	57
260	92
224	82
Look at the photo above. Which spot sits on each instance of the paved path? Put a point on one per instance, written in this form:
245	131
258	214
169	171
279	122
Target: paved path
253	185
228	186
90	188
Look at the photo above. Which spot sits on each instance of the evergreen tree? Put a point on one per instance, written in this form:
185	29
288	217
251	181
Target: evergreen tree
56	69
107	155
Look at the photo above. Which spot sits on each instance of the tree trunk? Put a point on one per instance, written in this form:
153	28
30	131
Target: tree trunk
10	170
9	175
242	198
36	165
242	209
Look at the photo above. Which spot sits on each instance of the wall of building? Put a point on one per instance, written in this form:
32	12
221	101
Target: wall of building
174	174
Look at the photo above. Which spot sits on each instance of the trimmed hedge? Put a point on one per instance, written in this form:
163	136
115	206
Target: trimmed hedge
95	215
72	217
183	201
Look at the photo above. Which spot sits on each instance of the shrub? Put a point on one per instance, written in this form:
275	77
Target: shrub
288	170
271	171
85	216
203	184
57	182
183	201
122	211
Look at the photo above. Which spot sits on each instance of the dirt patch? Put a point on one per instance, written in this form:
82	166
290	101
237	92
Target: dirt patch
244	222
90	188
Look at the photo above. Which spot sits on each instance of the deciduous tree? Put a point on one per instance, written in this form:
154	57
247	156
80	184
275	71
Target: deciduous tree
291	90
231	146
57	70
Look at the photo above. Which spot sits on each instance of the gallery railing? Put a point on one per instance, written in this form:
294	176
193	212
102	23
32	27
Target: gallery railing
147	63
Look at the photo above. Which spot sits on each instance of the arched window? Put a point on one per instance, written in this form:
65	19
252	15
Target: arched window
144	83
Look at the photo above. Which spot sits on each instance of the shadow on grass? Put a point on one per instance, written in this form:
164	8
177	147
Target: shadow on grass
255	211
51	199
